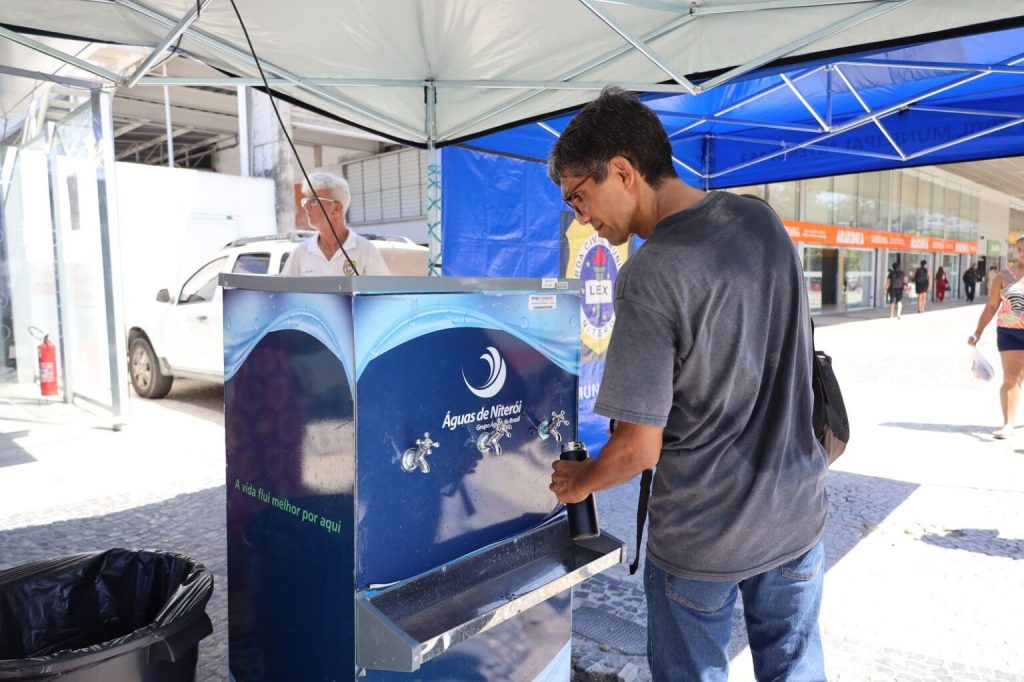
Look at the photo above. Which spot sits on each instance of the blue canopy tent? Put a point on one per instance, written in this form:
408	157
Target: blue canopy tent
936	102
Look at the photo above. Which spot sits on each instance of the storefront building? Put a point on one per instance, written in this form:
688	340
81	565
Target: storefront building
849	230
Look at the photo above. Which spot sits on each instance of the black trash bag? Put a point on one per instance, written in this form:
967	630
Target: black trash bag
79	611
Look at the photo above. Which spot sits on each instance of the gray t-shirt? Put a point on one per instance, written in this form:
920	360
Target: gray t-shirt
712	341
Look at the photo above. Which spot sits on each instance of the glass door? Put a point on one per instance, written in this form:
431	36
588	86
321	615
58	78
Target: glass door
821	269
859	266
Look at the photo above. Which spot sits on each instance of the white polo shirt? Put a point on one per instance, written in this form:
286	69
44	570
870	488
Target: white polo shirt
307	260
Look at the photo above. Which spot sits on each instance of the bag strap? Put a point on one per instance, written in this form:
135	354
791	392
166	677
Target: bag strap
641	515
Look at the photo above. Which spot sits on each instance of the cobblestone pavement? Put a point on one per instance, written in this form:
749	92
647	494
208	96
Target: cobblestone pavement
925	542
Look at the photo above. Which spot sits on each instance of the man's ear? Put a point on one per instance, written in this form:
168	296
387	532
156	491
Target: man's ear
620	167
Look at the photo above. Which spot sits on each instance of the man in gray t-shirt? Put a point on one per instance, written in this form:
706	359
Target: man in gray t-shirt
708	376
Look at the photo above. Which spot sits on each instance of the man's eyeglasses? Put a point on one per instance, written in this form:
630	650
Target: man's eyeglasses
572	199
311	201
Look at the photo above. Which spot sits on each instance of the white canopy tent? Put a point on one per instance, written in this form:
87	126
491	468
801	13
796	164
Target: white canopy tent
427	72
434	72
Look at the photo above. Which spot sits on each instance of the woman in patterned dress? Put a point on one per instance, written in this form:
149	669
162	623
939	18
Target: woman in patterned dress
1006	304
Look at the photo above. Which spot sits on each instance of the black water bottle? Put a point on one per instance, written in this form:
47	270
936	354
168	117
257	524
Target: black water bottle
582	515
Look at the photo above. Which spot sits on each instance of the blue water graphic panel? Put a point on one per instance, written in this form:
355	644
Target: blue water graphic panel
290	454
455	384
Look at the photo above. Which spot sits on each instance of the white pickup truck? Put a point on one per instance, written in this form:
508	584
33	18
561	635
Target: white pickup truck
182	334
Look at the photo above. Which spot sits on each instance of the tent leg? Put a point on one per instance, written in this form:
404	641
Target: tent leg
433	186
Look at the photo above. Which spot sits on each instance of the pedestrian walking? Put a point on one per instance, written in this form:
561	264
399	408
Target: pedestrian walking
897	280
941	284
1006	304
970	281
922	284
712	387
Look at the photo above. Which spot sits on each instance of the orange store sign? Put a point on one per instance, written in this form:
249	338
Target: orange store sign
833	235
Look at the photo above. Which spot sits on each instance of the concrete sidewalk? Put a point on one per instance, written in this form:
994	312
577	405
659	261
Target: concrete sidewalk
925	543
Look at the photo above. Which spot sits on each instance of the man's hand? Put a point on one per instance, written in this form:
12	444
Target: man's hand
566	480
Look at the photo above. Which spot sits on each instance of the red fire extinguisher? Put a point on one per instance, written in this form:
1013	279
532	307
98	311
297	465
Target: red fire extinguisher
47	367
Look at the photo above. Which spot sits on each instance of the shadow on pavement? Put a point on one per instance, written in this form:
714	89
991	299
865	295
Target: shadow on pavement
980	540
195	398
192	524
11	453
981	433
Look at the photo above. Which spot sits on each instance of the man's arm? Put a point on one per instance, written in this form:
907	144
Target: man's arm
630	450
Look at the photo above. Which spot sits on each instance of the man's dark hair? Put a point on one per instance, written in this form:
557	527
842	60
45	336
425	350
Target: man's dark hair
615	124
924	264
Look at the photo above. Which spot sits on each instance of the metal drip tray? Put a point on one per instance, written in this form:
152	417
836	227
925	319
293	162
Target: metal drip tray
404	625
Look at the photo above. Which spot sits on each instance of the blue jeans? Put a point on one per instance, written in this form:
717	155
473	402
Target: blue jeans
688	623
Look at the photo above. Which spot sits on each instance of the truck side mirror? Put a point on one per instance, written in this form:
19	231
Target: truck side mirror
163	296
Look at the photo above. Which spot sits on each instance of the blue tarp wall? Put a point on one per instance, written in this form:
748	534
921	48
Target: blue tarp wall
503	217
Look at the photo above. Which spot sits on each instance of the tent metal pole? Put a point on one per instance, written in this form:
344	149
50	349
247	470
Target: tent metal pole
244	132
548	129
178	29
742	122
966	138
168	125
828	96
687	167
640	46
568	75
59	55
935	66
864	105
247	59
230	81
110	252
967	112
803	100
433	185
49	77
827	32
499	84
776	4
236	81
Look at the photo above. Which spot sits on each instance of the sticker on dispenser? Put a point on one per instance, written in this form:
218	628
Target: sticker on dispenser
562	284
549	283
543	301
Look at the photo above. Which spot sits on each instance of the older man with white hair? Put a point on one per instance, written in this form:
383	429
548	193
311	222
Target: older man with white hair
320	255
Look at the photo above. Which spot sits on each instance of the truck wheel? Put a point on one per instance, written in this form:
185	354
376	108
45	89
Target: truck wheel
144	369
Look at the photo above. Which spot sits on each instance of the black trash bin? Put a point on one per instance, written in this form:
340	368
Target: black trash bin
113	616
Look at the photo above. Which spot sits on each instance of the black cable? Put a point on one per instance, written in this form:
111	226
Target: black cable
288	137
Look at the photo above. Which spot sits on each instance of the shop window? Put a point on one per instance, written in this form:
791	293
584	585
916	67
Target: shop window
936	211
909	221
783	198
868	204
886	198
954	228
756	190
818	200
845	200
